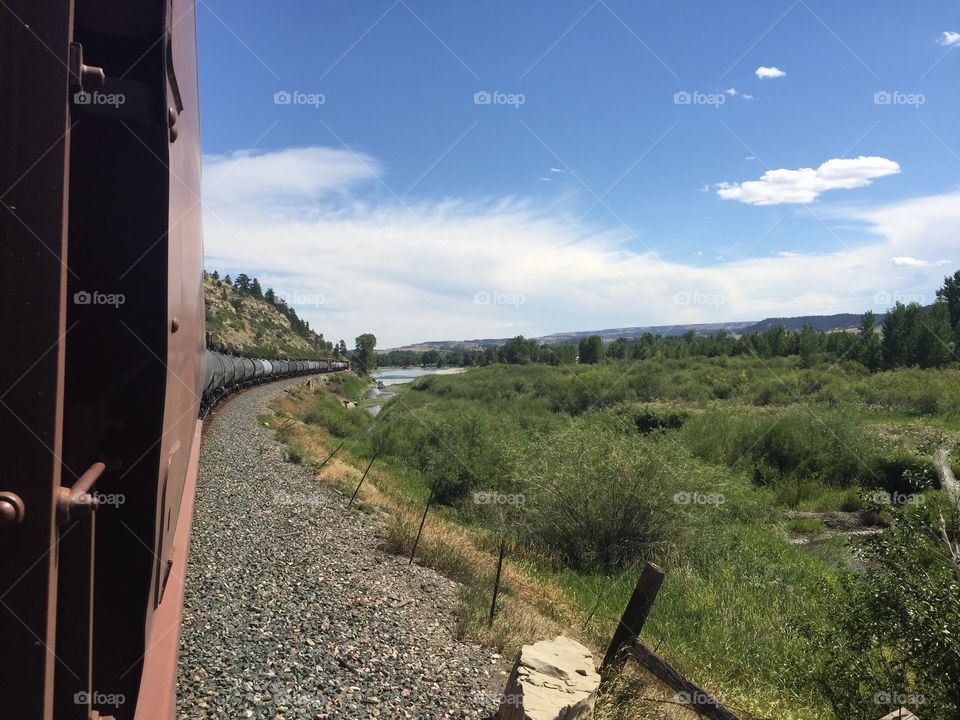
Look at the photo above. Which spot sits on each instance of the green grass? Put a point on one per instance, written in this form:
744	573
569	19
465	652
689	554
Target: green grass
691	463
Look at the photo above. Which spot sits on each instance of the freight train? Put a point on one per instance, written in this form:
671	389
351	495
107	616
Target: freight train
222	374
104	369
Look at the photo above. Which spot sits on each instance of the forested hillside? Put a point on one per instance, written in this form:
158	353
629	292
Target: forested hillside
244	319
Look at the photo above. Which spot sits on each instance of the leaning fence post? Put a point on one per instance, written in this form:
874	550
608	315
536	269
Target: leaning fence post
422	521
496	582
353	497
635	614
329	457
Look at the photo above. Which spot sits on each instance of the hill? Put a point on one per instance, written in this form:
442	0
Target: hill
244	320
820	323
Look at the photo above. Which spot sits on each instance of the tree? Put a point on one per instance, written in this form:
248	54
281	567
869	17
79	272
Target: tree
518	350
618	349
242	283
591	349
255	289
270	296
227	280
897	344
215	275
364	357
564	355
808	346
868	350
935	337
950	294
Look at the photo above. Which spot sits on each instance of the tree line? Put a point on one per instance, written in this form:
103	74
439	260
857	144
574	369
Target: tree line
909	335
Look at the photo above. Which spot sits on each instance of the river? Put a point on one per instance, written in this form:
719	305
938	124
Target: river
399	376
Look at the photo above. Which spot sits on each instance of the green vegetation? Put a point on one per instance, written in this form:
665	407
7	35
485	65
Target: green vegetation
242	319
364	357
692	463
671	452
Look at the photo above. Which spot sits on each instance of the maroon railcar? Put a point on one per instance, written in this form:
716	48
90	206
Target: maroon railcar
101	324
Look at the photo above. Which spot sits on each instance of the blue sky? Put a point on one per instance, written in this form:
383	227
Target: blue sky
587	194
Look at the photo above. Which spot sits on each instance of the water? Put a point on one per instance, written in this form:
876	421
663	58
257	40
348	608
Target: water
393	376
399	376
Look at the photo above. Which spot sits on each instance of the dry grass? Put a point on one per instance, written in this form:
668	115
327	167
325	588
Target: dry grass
528	608
635	694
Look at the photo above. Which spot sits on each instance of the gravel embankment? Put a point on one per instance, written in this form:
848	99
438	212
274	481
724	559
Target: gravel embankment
291	613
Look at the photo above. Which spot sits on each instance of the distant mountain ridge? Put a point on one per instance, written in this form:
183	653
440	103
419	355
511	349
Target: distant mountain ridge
821	323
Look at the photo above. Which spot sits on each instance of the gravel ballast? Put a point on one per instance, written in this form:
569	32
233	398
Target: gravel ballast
291	612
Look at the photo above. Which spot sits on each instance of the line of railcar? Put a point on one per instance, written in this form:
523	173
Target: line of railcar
223	374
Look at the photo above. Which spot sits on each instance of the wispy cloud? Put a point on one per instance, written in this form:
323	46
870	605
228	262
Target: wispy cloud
906	261
767	73
411	273
949	38
803	186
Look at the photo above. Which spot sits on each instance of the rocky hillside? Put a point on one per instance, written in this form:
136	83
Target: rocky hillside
245	320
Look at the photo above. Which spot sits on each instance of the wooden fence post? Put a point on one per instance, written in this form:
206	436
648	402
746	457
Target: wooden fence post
422	521
354	496
635	615
496	582
329	457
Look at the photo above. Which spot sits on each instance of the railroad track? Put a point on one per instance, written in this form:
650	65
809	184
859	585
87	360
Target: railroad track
291	612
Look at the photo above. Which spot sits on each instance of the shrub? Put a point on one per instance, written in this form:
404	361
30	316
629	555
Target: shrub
895	640
599	500
649	419
797	442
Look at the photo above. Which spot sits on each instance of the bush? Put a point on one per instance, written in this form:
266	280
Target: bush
649	419
895	640
809	442
341	422
597	500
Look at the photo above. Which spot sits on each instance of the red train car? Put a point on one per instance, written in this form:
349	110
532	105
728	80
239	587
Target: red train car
101	320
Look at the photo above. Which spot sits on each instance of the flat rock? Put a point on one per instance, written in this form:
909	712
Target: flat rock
551	680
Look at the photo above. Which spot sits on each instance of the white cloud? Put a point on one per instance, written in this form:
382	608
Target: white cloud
410	273
767	73
949	38
732	92
746	97
906	261
295	173
776	187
